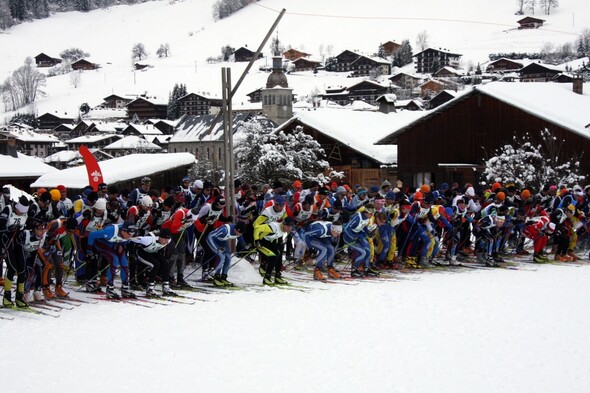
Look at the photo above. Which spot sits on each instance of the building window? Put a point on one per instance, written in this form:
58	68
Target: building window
422	178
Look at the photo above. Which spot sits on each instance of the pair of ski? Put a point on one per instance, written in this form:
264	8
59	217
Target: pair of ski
33	310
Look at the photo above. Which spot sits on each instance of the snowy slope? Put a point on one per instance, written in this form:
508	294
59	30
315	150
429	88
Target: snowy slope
473	28
484	331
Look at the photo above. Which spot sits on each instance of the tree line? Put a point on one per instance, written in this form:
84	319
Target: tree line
15	11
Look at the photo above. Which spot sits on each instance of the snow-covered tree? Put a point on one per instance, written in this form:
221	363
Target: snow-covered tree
138	51
533	165
73	54
23	86
264	155
530	5
520	4
226	52
163	50
546	5
75	78
422	40
381	52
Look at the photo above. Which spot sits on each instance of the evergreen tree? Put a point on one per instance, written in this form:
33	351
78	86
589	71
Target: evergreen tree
18	9
403	55
25	118
381	52
177	92
82	5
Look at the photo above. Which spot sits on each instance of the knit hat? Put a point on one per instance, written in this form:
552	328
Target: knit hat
374	189
297	184
341	190
385	183
55	195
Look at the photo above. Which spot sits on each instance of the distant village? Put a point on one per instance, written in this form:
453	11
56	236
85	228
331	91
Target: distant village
438	118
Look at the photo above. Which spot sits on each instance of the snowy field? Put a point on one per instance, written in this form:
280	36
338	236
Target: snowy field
469	331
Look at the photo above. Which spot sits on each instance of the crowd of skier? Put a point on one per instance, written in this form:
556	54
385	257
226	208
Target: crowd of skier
149	235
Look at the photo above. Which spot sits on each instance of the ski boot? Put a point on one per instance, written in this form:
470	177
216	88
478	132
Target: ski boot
356	273
261	270
371	271
166	291
267	281
224	280
182	284
93	287
38	295
217	281
423	262
59	292
332	273
7	300
317	275
151	291
280	281
29	297
126	293
47	293
111	294
20	301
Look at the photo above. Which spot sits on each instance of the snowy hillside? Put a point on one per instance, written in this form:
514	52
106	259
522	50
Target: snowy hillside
473	28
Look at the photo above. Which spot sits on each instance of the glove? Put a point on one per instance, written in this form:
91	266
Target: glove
195	211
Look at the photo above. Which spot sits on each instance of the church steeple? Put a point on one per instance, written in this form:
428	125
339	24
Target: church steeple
277	98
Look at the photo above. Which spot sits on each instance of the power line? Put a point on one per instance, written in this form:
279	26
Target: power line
407	18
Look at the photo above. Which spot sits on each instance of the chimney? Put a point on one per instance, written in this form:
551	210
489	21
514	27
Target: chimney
578	84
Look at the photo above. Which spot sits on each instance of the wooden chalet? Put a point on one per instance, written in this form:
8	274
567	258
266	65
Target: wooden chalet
391	47
49	121
147	108
255	96
503	65
92	141
303	64
450	143
537	72
116	101
447	72
563	78
29	142
367	91
530	22
365	64
194	105
344	61
244	54
43	60
405	81
84	65
294	54
165	126
431	60
430	88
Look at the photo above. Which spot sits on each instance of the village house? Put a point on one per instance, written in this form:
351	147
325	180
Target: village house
537	72
84	65
193	104
43	60
304	64
294	54
503	65
367	91
390	47
244	54
148	108
27	141
49	121
530	22
116	101
431	60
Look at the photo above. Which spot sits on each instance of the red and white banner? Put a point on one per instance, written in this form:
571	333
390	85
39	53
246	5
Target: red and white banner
92	167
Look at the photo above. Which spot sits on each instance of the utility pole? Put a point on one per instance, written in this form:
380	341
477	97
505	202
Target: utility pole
226	109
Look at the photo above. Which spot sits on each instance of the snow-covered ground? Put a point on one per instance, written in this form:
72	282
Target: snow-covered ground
485	331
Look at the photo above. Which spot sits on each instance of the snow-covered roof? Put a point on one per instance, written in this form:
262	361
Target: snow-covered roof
358	105
26	135
109	127
90	138
117	169
553	102
152	100
145	129
132	142
99	113
23	166
196	128
63	156
357	129
389	97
